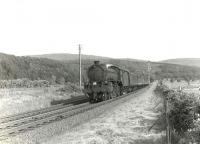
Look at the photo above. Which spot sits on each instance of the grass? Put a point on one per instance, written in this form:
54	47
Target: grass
19	100
193	87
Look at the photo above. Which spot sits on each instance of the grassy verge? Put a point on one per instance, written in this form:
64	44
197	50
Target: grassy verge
19	100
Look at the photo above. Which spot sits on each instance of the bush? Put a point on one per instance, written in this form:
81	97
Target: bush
20	83
69	87
183	111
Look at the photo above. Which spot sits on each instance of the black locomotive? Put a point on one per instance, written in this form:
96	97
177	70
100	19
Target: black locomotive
107	81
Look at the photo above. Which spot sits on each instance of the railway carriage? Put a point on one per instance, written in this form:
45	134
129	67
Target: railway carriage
107	81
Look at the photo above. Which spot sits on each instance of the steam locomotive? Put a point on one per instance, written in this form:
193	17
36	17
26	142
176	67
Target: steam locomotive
107	81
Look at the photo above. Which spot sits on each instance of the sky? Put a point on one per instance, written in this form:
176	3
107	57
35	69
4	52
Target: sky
139	29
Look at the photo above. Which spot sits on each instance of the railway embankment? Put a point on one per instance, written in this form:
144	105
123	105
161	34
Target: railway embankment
127	122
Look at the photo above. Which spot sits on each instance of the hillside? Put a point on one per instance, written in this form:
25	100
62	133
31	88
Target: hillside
68	57
15	67
184	61
73	57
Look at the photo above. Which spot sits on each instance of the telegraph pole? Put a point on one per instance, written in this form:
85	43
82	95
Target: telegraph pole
142	77
149	71
79	66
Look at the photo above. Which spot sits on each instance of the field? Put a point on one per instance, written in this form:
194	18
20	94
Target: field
192	87
18	100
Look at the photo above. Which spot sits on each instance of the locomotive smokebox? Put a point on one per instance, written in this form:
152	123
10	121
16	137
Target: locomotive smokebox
96	62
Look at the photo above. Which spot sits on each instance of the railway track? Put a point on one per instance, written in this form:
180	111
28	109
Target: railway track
11	126
44	110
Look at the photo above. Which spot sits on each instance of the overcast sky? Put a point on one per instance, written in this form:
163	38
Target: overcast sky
140	29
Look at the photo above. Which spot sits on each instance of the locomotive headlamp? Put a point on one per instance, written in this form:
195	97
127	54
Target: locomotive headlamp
94	83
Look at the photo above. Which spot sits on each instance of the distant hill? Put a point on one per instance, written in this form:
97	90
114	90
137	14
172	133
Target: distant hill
69	57
56	68
73	57
184	61
136	60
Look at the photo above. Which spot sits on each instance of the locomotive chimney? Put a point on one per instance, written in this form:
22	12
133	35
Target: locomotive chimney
96	62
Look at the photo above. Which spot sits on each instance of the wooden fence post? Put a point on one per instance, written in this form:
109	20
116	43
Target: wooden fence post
168	130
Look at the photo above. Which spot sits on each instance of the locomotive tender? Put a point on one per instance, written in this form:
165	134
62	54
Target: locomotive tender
107	81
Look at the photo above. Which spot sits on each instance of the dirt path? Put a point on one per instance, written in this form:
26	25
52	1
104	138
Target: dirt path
127	123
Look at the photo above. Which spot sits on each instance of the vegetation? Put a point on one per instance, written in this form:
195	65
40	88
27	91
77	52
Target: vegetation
13	67
23	83
183	114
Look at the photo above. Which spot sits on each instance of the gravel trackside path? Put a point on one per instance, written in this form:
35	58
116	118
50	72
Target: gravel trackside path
128	123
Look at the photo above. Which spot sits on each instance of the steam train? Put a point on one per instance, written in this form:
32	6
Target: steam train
107	81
